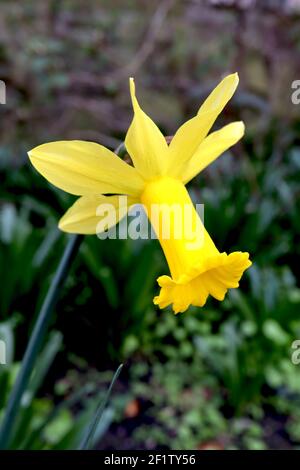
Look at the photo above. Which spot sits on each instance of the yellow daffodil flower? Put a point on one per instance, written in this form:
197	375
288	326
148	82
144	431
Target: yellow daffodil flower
158	177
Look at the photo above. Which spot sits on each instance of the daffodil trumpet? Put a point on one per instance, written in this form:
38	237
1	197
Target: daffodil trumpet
157	178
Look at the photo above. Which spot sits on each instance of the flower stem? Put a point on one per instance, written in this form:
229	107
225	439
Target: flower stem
36	340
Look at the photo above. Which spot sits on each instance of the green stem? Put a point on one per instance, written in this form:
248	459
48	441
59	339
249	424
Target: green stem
36	341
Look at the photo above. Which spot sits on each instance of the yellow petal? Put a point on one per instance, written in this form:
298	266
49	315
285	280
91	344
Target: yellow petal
218	274
220	96
82	168
144	142
190	135
211	148
94	214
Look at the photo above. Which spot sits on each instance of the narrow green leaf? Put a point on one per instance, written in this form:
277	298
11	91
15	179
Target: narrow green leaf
87	440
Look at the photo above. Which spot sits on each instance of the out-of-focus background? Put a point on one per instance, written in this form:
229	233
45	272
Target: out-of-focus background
219	377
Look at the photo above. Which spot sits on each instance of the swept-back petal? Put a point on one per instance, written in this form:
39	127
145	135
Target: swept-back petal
211	148
144	142
82	168
94	214
190	135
